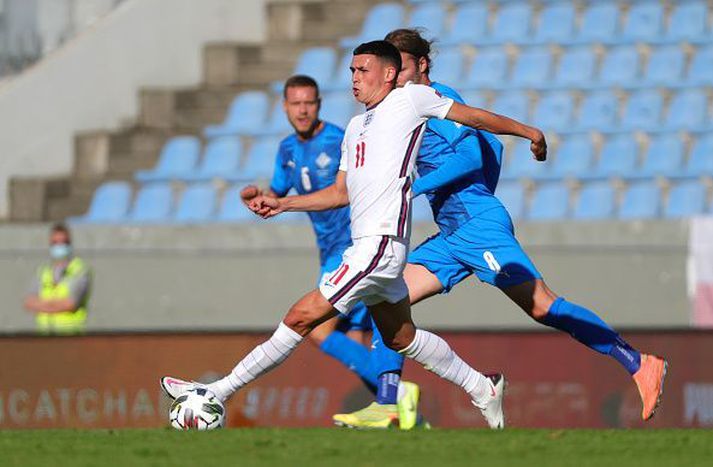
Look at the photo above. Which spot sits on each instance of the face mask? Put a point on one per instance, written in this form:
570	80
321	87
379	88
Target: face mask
60	251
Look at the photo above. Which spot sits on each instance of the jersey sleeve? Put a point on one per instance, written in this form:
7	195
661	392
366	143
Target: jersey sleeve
427	102
281	181
343	162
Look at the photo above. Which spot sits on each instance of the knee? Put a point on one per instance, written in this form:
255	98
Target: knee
399	341
541	306
300	320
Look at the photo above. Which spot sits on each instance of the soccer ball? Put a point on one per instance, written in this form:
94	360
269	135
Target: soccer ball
197	409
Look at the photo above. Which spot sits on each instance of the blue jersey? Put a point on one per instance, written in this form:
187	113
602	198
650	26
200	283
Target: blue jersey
474	194
309	166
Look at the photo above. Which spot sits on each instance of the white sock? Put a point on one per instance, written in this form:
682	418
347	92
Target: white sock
262	359
437	356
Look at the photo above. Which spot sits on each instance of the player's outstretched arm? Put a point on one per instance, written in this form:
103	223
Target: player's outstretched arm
332	197
483	120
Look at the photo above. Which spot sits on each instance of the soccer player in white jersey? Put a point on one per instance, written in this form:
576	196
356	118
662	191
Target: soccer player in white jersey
378	155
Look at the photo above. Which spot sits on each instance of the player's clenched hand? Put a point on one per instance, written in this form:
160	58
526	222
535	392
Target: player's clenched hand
265	206
249	193
538	146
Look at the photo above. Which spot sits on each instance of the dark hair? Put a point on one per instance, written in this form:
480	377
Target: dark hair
60	227
412	42
300	81
386	51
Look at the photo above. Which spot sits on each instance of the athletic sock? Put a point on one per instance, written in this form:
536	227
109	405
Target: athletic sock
436	355
589	329
259	361
353	355
388	388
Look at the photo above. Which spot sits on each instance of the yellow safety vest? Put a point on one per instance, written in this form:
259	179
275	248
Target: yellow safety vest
68	322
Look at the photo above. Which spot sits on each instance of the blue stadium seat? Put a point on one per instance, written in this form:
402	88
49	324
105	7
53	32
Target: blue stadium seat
665	66
686	199
196	205
342	78
643	110
599	110
687	110
512	195
421	210
316	62
178	159
514	104
618	157
554	111
550	202
261	160
489	69
642	200
470	23
246	115
576	67
700	72
337	108
512	23
664	156
447	67
277	123
596	201
520	163
644	21
475	99
532	67
379	21
431	17
556	23
153	204
232	209
110	203
575	157
687	21
700	162
600	22
221	159
620	66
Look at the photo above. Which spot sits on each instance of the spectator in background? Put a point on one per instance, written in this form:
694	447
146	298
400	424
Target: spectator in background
60	288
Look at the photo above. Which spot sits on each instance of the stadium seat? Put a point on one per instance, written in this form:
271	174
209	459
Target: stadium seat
595	202
475	99
196	205
664	156
429	16
642	200
110	204
512	195
700	162
643	110
379	21
532	67
153	204
178	159
447	67
600	22
246	115
337	108
470	23
221	159
489	69
261	160
520	163
644	21
277	123
620	66
618	157
554	111
342	78
556	23
700	72
514	104
232	209
575	157
665	66
576	67
687	21
512	23
599	110
687	110
421	210
550	202
686	199
316	62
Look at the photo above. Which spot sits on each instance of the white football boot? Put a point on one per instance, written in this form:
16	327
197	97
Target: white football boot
174	387
492	410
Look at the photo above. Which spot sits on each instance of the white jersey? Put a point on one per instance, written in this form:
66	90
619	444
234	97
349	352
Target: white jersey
378	154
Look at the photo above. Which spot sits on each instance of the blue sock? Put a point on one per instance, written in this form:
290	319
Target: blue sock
592	331
354	356
388	389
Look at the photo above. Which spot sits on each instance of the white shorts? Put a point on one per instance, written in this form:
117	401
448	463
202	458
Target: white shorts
371	272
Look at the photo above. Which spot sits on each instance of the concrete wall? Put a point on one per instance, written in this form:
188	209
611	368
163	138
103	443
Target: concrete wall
633	274
93	81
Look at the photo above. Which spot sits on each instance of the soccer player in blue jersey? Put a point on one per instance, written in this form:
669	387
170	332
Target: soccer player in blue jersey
459	169
308	161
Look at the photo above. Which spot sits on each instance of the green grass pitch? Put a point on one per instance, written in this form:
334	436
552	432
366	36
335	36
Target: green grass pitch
340	447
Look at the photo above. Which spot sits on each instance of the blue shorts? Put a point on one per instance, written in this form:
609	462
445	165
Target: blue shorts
486	248
358	318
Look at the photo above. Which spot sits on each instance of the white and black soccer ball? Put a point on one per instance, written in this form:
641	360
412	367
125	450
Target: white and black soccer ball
197	409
